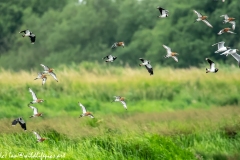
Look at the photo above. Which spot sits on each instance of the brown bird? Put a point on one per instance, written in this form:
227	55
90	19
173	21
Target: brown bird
49	71
42	76
120	99
39	138
85	113
118	44
202	18
35	99
35	112
225	30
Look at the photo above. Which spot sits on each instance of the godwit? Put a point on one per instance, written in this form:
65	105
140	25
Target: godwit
49	71
147	64
163	12
225	30
85	113
43	77
35	112
35	99
120	99
29	34
229	20
39	138
118	44
202	18
212	66
21	122
221	47
170	53
109	58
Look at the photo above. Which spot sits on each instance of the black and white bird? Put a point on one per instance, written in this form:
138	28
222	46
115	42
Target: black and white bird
221	47
230	51
147	64
163	12
237	57
29	34
109	58
202	18
170	53
120	99
21	122
212	66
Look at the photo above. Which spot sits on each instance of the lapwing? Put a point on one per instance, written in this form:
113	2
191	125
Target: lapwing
120	99
49	71
29	34
109	58
221	47
212	66
42	76
163	12
39	138
21	122
35	112
170	53
118	44
35	99
85	113
147	64
202	18
225	30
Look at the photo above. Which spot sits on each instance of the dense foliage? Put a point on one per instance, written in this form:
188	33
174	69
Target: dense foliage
75	31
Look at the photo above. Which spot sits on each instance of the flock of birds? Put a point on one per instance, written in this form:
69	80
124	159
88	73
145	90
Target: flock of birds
109	58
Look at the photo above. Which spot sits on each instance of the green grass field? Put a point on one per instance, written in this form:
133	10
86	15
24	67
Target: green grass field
174	114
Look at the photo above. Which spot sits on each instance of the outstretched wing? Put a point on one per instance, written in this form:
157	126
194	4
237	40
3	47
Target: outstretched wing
207	23
225	16
44	80
141	59
37	135
33	94
167	48
198	14
124	104
236	56
53	75
22	123
233	24
212	64
83	108
175	58
15	121
220	44
161	10
149	68
32	38
45	67
35	110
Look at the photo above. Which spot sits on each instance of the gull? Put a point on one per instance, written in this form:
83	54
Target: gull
49	71
35	112
120	99
85	113
230	51
39	138
225	30
21	122
29	34
35	99
221	47
147	64
212	66
202	18
118	44
42	76
163	12
170	53
110	58
237	57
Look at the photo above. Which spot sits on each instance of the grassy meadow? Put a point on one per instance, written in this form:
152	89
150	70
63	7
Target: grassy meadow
174	114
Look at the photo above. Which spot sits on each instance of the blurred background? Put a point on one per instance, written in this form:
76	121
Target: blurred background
71	32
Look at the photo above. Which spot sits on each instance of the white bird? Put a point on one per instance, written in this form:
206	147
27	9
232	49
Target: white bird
212	66
35	99
163	12
35	112
147	64
225	30
221	47
39	138
110	58
237	57
29	34
170	53
85	113
202	18
49	71
120	99
229	51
